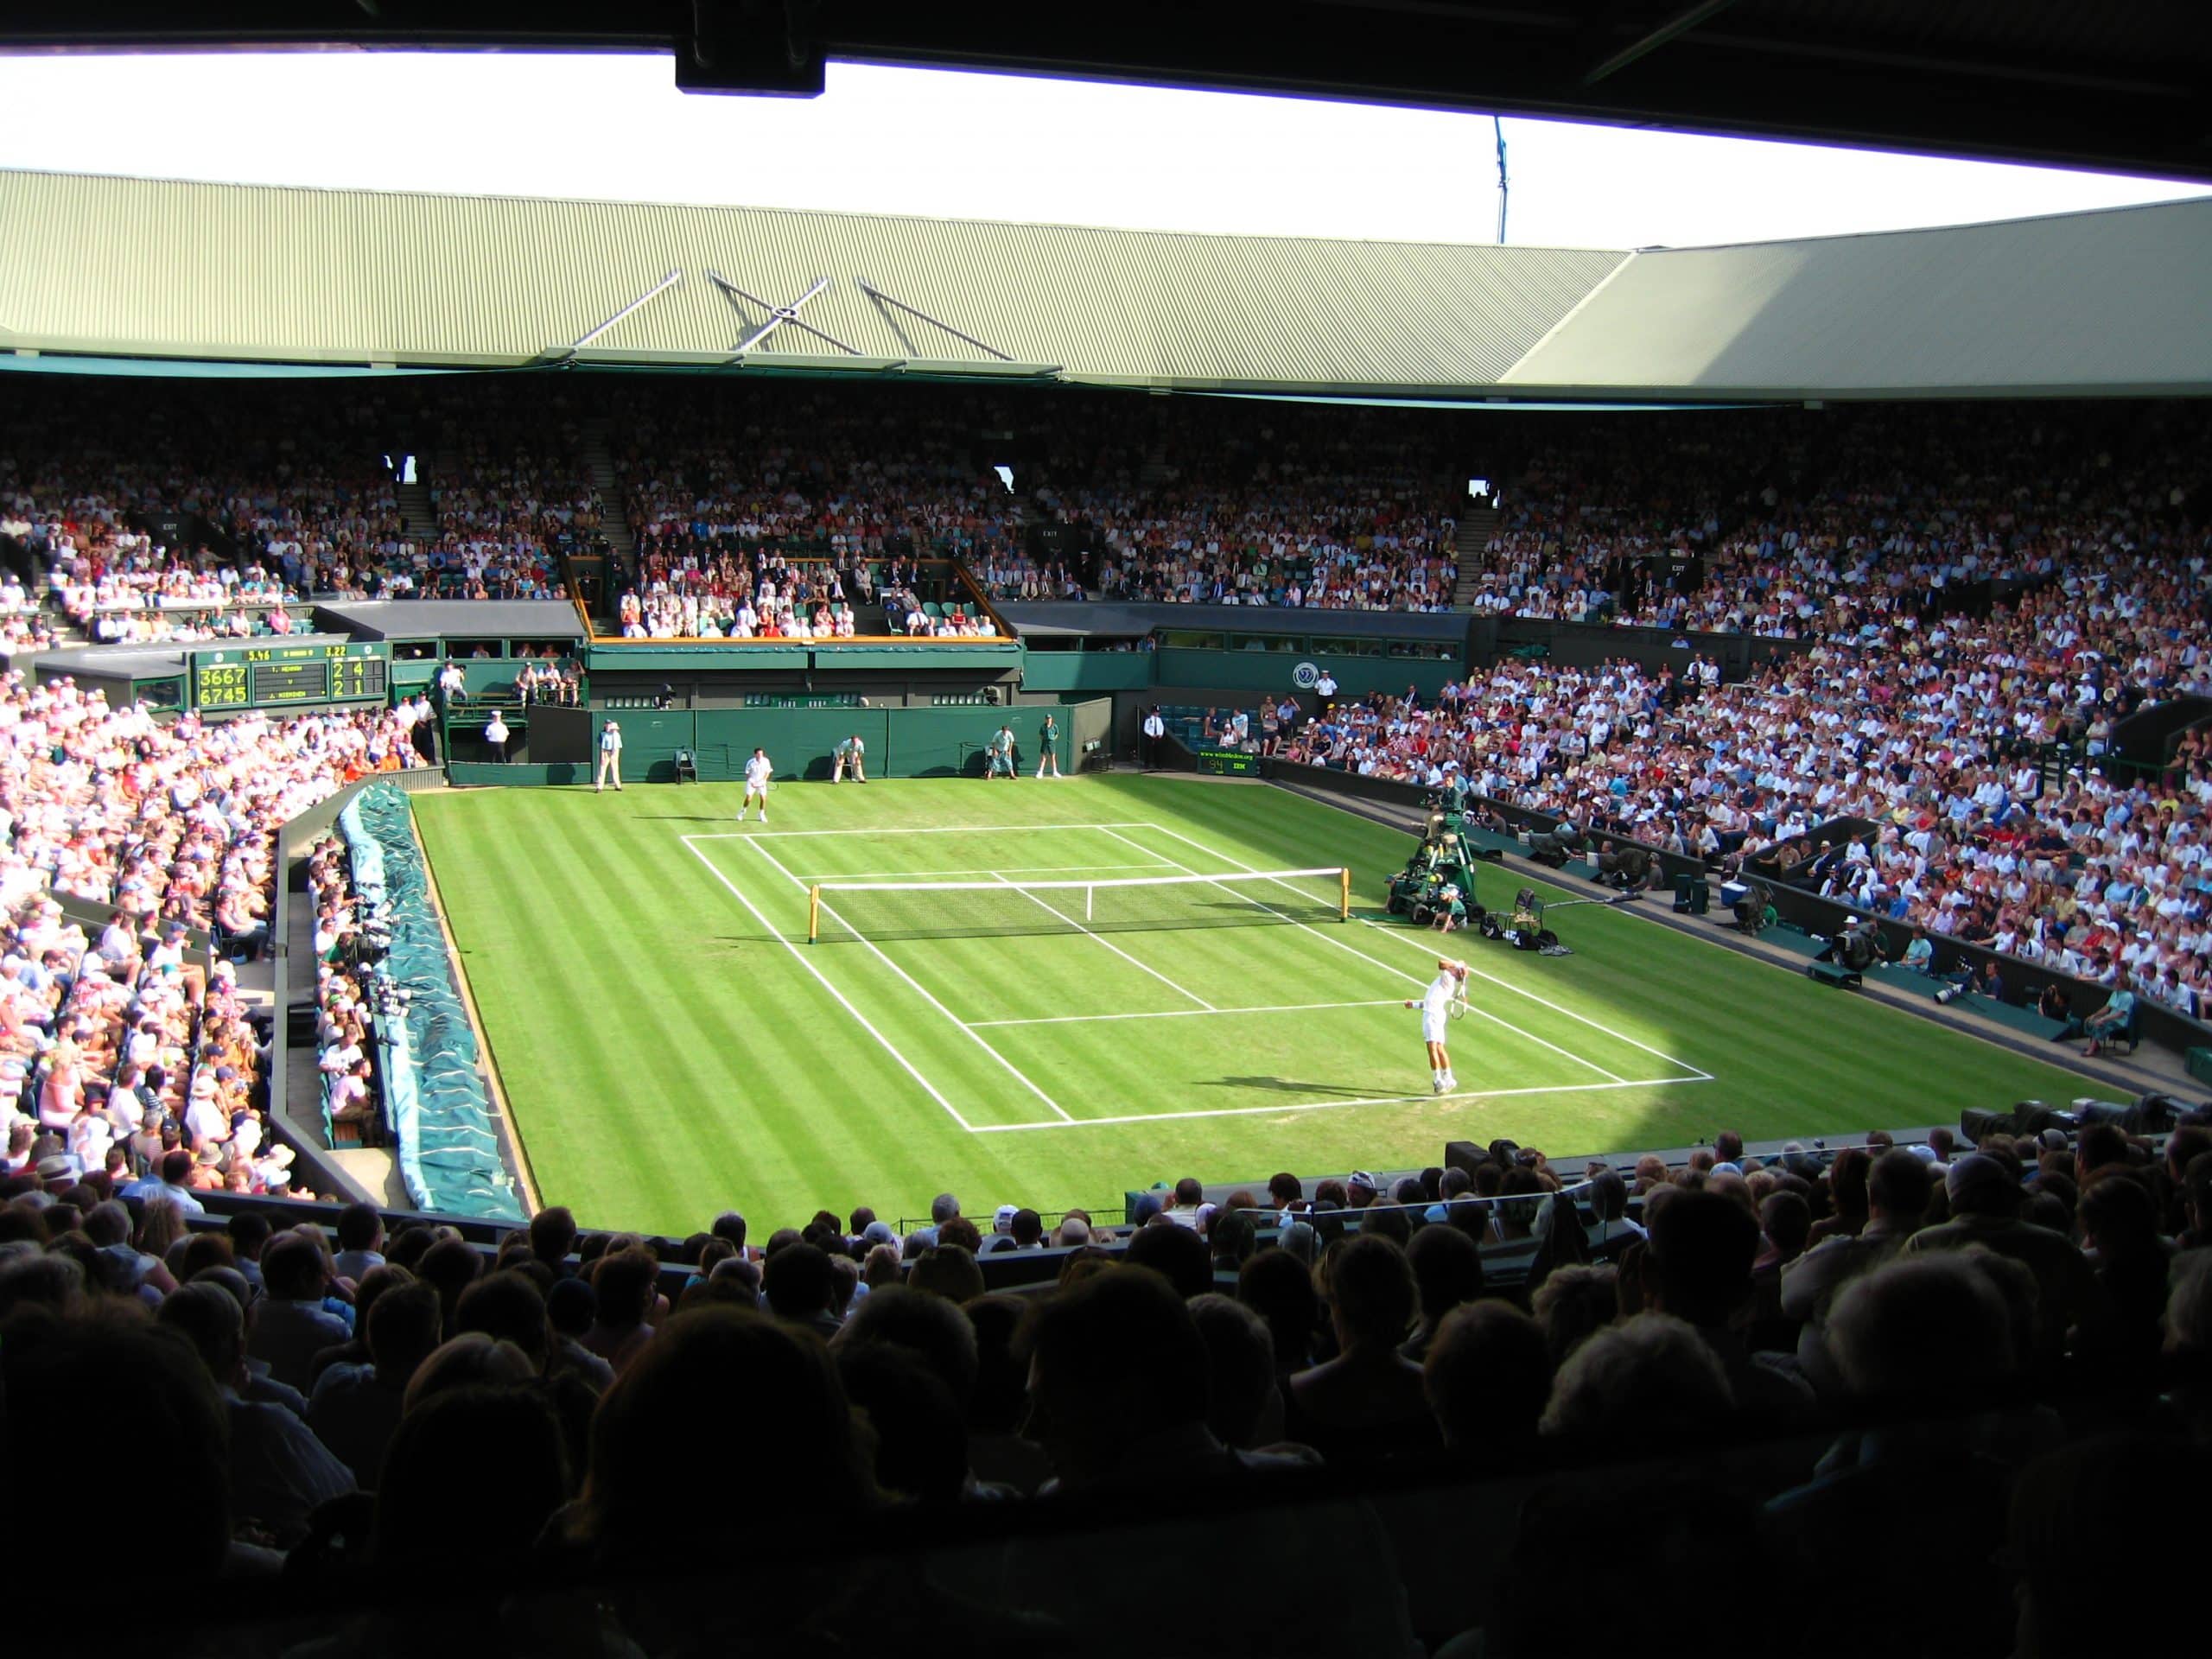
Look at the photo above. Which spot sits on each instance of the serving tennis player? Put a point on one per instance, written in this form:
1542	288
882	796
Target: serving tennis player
1449	986
757	771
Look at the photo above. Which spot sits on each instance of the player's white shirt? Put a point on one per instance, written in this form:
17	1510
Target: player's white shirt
756	772
1438	997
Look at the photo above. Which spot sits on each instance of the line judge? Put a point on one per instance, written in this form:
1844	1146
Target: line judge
610	757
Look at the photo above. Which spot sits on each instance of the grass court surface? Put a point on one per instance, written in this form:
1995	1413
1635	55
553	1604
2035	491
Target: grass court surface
671	1047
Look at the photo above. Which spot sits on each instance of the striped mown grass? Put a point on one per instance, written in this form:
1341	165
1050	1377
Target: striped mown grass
670	1046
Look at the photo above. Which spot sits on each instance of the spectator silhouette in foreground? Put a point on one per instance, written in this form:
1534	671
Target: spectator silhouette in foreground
1927	1341
1367	1403
1697	1266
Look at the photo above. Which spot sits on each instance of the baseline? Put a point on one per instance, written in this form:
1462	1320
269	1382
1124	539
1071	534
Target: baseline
1411	979
1328	1105
905	829
777	934
958	1024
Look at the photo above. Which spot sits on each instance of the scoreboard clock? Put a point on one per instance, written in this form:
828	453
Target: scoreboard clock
1229	763
285	677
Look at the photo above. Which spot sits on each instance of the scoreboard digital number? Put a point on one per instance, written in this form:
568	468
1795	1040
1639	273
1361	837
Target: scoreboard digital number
277	677
1229	763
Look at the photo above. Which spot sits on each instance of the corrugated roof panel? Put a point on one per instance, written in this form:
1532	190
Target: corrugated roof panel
264	271
2119	300
2089	301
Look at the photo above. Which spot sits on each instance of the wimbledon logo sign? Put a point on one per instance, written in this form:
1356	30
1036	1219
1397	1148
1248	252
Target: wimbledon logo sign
1304	676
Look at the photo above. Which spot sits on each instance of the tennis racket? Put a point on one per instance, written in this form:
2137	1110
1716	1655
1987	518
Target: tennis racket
1456	1008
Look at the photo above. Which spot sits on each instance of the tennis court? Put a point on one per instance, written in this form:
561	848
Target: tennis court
1048	949
670	1044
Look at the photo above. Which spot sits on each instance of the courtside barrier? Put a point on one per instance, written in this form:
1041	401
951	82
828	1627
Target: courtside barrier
435	1102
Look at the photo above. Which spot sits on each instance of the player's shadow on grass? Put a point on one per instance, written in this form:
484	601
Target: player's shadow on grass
1281	1086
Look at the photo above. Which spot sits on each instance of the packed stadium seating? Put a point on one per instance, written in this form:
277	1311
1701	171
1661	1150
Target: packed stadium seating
1819	1330
119	1050
1974	643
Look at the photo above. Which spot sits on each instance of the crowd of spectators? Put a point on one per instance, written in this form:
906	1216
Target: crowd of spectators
163	513
1007	573
1979	746
1832	523
118	1052
345	1018
512	490
1921	1347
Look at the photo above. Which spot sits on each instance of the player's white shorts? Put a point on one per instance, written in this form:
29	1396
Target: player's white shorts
755	792
1432	1027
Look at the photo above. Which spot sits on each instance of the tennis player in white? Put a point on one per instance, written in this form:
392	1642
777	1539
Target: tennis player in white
757	771
1449	986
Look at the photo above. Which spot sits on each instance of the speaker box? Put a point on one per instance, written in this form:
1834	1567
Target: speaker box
2153	1113
1976	1124
1464	1155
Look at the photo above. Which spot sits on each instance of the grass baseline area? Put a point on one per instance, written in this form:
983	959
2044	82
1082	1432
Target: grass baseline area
671	1046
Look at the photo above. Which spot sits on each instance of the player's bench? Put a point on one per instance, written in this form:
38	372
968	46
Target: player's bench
1835	973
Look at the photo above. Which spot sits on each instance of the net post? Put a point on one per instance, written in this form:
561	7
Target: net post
813	912
1343	894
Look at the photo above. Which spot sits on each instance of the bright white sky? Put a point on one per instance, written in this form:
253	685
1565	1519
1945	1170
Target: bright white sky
974	147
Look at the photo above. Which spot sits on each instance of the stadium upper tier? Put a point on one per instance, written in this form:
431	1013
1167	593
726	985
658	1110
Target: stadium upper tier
2081	303
167	511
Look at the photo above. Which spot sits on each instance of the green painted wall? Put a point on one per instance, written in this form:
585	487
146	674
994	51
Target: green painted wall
901	743
1087	671
1270	671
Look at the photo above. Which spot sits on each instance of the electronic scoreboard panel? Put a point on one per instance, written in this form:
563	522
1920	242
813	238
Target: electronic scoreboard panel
289	675
1229	763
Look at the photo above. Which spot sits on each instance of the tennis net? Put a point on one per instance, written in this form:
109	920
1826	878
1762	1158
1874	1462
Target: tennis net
995	905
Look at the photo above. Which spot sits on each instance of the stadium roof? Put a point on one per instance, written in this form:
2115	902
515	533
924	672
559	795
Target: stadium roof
2099	302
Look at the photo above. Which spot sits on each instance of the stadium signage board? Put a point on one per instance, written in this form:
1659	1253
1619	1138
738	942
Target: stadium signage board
287	677
795	700
1229	763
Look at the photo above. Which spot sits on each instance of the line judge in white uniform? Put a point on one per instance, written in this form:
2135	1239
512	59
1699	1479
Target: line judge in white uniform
758	772
1435	1006
610	757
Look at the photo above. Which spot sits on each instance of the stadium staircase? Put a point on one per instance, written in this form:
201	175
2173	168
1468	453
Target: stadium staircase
1477	526
613	512
416	509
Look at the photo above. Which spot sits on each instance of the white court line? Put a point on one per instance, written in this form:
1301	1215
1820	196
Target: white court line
777	934
896	829
1529	1036
1110	945
1010	869
958	1025
1332	1105
1188	1013
1696	1073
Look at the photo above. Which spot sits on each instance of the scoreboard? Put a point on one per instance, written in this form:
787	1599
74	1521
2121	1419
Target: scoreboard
285	677
1229	763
